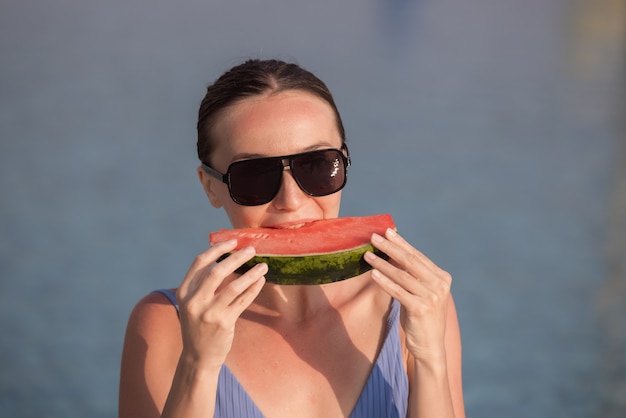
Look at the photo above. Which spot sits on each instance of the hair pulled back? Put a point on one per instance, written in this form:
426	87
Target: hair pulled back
251	78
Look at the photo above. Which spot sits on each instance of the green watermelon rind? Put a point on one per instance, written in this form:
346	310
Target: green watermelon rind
314	269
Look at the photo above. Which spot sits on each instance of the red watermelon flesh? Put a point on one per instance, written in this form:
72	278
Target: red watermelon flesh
317	237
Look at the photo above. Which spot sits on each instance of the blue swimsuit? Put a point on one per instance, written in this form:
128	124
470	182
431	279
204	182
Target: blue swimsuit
385	393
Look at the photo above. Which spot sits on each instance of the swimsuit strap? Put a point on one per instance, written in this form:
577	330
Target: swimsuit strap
385	393
170	295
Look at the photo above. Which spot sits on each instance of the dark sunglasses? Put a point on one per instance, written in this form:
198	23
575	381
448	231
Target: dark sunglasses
257	181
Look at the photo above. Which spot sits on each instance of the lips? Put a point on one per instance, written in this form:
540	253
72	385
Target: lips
291	225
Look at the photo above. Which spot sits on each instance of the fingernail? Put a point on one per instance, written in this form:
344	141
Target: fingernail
369	256
391	233
377	239
227	243
248	250
262	268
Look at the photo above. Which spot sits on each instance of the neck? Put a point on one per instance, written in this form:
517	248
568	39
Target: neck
299	304
294	304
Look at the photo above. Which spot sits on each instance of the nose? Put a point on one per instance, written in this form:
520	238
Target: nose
290	196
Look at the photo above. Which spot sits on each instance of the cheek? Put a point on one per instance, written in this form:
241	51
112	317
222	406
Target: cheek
330	205
243	216
253	216
218	195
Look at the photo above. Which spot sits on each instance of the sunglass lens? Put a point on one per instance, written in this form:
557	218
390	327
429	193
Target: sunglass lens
320	173
256	181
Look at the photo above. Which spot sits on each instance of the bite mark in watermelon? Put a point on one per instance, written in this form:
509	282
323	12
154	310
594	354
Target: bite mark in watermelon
318	252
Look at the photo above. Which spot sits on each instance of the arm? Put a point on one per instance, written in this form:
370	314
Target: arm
429	323
170	367
429	382
151	350
155	373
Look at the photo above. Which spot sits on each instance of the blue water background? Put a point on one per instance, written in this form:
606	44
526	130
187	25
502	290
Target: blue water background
492	131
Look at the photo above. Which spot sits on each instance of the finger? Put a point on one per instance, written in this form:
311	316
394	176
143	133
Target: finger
420	301
246	288
404	256
409	258
235	297
397	239
201	264
393	273
393	288
236	287
218	272
419	286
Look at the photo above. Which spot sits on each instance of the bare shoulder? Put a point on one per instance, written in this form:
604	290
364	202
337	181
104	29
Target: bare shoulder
154	324
152	346
153	313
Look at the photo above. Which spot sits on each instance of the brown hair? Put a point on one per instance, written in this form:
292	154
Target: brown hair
251	78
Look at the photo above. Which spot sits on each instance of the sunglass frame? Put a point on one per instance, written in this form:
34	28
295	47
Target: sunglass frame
225	177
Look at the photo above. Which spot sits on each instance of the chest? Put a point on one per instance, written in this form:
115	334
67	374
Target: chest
318	369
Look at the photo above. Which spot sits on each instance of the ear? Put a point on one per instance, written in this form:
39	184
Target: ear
208	184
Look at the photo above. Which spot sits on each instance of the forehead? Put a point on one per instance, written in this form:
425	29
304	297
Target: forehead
276	124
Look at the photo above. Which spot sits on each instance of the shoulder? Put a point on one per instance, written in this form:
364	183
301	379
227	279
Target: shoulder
152	346
153	322
153	312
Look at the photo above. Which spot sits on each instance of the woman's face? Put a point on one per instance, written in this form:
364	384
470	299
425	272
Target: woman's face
286	123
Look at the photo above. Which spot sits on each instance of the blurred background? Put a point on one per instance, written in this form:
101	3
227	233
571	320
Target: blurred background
494	132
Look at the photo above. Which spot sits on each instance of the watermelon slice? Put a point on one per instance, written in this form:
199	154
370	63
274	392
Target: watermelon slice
318	252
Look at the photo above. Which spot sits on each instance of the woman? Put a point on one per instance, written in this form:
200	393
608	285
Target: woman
226	345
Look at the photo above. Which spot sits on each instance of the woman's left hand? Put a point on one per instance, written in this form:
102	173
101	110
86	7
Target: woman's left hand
421	287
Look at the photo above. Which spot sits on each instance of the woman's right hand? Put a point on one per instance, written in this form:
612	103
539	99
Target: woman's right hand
211	298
